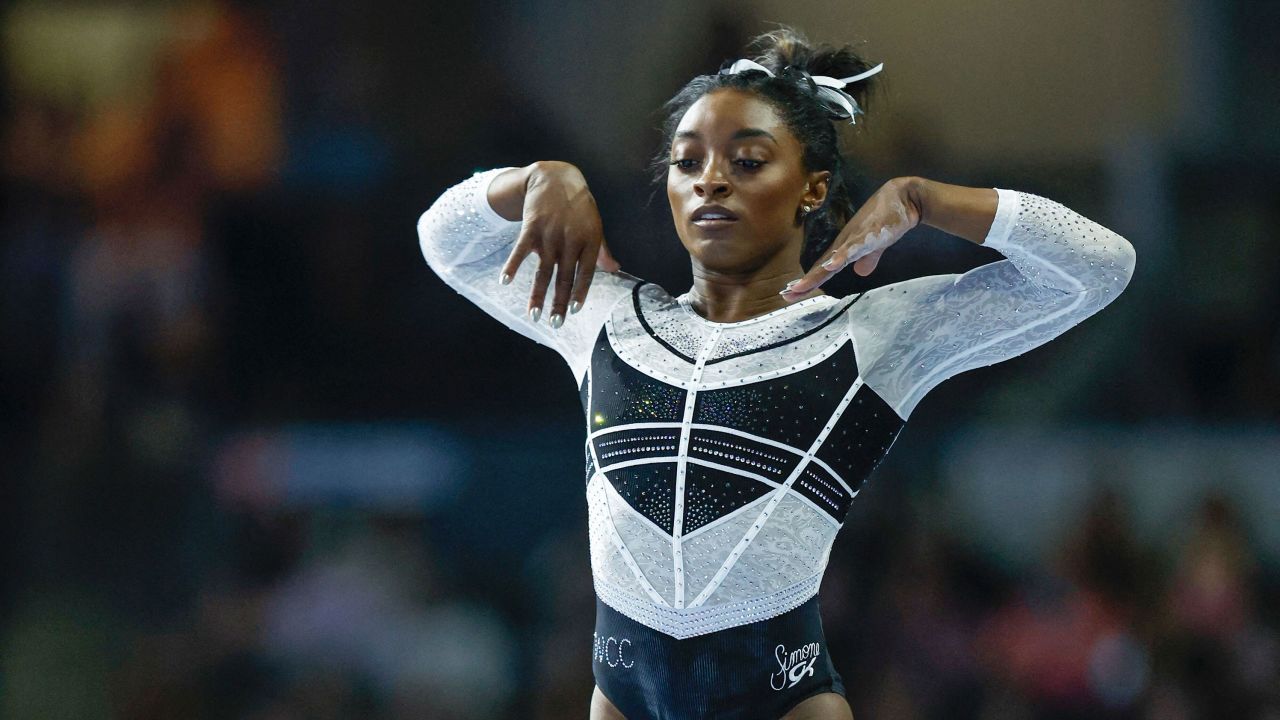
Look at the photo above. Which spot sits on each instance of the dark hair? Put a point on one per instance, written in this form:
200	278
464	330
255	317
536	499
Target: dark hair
786	52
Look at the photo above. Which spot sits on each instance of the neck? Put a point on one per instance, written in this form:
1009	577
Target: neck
723	297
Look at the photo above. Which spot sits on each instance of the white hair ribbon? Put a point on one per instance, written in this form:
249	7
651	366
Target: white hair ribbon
829	89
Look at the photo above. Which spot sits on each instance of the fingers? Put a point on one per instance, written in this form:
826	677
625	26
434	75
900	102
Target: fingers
579	268
865	265
566	265
524	245
863	252
588	262
541	279
586	273
573	271
569	243
530	240
830	264
818	275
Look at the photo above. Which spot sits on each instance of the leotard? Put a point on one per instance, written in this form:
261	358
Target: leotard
721	458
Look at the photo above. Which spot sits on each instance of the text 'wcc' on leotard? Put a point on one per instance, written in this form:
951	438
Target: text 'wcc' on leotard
721	458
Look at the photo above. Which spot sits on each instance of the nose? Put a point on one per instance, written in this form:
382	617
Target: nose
712	182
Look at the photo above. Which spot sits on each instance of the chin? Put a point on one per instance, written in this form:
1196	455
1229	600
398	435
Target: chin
715	254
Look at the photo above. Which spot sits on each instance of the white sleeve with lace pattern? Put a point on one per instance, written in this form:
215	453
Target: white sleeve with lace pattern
1059	269
466	242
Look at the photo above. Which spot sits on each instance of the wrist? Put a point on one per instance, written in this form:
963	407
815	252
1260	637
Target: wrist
543	170
916	190
508	189
961	211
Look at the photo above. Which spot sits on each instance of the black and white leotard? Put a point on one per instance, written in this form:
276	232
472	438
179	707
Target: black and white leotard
721	458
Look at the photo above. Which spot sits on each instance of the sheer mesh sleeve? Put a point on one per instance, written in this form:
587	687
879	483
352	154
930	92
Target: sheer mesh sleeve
1060	268
466	242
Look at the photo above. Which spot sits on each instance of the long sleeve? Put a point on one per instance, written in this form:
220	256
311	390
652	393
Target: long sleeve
466	242
1059	269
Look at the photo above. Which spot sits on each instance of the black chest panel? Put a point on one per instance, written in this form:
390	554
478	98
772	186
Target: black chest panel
791	410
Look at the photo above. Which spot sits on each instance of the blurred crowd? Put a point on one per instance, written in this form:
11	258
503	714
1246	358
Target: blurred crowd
223	240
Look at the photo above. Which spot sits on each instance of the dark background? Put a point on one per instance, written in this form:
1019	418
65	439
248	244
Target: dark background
261	463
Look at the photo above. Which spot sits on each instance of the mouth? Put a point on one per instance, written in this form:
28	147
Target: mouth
713	216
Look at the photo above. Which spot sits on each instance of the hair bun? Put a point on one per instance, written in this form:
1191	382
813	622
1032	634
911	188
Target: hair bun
786	51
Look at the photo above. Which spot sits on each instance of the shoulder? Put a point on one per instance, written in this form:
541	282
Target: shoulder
903	294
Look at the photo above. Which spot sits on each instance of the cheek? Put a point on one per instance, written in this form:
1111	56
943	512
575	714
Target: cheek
775	206
674	194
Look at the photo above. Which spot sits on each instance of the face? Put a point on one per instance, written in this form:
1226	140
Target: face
732	149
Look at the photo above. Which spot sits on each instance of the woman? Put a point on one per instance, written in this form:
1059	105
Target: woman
729	428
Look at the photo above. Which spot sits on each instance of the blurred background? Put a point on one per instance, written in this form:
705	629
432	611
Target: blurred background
261	463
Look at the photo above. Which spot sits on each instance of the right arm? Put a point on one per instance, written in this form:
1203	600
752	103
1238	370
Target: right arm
469	237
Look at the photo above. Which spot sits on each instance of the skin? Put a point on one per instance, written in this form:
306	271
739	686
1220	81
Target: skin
739	270
561	225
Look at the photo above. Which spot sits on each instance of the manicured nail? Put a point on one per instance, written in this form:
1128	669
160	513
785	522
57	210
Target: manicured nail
535	313
830	264
575	306
556	320
505	279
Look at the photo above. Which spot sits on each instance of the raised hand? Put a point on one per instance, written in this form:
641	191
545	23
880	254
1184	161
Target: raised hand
562	226
880	222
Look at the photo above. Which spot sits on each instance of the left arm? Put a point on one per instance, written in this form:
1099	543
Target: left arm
962	211
1059	269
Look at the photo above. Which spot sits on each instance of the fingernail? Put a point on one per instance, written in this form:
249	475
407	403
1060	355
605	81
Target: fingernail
830	264
505	279
535	313
556	320
575	306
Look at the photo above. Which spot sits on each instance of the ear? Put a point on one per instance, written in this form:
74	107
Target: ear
819	183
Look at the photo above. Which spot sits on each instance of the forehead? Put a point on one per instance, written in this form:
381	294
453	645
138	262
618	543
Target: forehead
720	113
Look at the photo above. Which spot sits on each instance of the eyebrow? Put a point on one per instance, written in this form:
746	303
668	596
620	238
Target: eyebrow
743	133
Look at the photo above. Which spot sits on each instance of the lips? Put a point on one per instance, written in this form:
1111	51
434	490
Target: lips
712	214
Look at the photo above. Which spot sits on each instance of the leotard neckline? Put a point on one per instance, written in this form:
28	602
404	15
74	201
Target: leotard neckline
685	303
